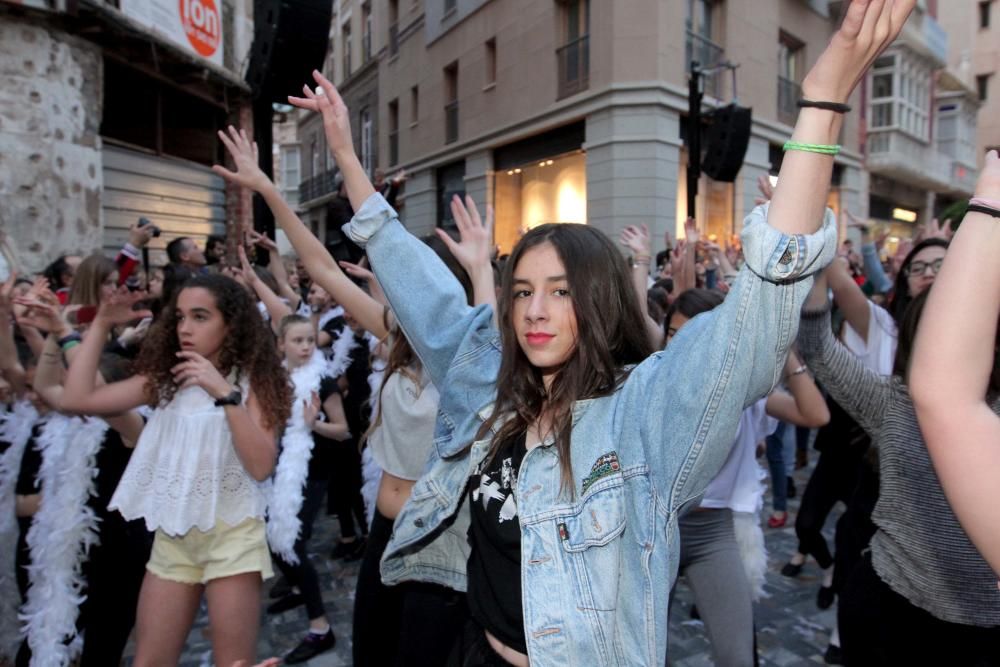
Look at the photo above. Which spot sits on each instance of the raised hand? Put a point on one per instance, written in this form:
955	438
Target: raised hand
195	370
7	294
868	27
118	309
691	233
475	247
327	101
261	240
765	188
247	274
245	157
140	236
42	316
636	239
938	230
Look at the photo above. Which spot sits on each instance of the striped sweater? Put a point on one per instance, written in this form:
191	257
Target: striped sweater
919	549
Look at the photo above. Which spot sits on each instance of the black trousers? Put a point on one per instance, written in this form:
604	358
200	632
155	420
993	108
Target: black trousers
880	627
303	576
833	480
413	624
344	498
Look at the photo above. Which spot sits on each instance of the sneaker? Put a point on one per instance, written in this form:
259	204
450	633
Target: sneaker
833	655
791	569
281	588
310	647
343	549
358	551
290	601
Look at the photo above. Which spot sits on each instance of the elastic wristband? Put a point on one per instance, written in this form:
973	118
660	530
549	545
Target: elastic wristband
69	345
983	201
822	149
836	107
75	336
988	210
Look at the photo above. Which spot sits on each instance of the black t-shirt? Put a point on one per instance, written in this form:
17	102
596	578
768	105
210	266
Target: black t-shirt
494	568
356	405
31	462
321	462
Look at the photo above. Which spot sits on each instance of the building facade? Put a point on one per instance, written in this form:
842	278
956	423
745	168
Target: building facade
109	112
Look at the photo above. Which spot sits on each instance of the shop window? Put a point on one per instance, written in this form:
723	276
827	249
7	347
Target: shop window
450	182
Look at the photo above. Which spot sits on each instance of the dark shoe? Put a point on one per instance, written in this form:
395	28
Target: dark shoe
343	549
825	597
791	569
358	552
833	655
695	614
310	647
290	601
801	459
791	493
281	588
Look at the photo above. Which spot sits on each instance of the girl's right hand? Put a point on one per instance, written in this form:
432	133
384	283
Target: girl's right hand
327	101
636	239
245	156
118	309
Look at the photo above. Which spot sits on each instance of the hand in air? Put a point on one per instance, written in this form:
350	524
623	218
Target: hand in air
327	101
691	233
42	316
475	247
765	189
988	185
636	239
118	309
869	26
245	157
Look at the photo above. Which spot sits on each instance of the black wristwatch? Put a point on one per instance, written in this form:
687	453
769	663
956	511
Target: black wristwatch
235	397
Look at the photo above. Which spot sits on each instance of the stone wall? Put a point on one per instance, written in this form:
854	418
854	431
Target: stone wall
50	157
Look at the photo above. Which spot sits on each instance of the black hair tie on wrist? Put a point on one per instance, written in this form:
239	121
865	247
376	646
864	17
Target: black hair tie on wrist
828	106
979	208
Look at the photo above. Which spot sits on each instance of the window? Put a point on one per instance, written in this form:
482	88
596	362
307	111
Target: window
393	27
290	173
366	32
983	86
449	6
345	44
367	142
900	84
451	103
704	38
984	14
394	132
573	57
791	54
491	61
414	105
450	182
314	155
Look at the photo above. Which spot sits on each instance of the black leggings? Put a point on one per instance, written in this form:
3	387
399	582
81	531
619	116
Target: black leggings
303	576
345	489
412	624
833	480
880	627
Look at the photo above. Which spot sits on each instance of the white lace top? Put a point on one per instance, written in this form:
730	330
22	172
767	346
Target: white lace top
184	472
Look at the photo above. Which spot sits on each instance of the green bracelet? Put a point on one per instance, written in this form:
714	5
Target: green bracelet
823	149
69	345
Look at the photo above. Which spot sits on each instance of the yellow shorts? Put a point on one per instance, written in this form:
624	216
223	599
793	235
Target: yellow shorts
197	557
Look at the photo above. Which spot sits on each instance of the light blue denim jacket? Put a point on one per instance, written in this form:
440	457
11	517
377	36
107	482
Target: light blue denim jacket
597	567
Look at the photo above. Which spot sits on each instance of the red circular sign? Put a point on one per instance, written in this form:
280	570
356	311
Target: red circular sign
202	25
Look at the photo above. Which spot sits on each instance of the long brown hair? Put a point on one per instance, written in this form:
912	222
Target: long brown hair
90	275
610	336
248	348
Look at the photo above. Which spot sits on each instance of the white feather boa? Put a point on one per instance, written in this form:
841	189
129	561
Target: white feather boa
285	493
15	429
61	534
371	473
750	538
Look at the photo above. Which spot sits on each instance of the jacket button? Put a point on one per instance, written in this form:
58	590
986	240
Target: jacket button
419	523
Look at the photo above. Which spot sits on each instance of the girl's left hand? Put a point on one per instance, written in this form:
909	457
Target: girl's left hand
310	410
636	239
475	248
196	370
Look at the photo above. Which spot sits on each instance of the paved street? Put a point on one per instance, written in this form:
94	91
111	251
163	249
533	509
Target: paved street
791	630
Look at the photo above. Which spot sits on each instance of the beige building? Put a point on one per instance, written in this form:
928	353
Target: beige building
973	27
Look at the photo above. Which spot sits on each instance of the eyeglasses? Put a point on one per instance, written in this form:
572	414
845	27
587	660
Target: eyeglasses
919	268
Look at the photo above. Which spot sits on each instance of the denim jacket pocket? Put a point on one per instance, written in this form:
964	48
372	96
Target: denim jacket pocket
588	535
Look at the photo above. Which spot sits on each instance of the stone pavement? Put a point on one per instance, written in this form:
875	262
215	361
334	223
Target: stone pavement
791	630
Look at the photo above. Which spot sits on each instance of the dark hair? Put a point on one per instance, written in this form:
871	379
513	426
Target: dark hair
901	296
212	241
54	272
610	336
249	349
692	302
267	278
666	284
176	248
660	297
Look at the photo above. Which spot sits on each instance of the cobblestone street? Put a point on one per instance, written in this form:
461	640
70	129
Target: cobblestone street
791	630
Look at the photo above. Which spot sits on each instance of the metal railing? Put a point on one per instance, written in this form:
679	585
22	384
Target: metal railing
393	39
317	186
708	54
574	67
394	147
451	122
789	93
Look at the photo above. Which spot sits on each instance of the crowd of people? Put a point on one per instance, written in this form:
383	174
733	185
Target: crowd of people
524	452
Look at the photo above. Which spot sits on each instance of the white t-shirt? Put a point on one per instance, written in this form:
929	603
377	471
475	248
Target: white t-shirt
879	351
738	484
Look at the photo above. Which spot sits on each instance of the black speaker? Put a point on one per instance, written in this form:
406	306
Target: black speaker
726	142
290	40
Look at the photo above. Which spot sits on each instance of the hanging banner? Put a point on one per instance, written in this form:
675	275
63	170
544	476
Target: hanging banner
194	25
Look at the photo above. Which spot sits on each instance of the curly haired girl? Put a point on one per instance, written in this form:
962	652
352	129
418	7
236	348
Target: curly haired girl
210	367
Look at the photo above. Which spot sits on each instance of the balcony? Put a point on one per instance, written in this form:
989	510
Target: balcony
789	93
574	67
394	148
451	122
317	186
707	54
899	156
393	39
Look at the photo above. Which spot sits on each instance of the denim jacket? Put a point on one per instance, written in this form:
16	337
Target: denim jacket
596	566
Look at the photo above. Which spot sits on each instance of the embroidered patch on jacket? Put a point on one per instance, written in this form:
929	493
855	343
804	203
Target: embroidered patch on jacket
606	464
